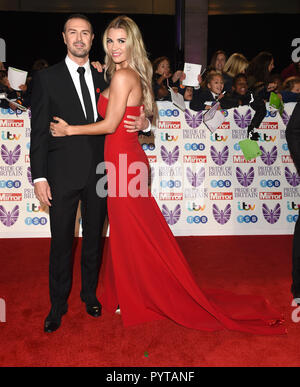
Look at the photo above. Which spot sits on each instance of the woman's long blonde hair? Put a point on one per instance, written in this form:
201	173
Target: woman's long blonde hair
236	64
138	59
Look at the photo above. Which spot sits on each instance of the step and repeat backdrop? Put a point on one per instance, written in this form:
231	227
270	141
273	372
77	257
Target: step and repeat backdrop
201	180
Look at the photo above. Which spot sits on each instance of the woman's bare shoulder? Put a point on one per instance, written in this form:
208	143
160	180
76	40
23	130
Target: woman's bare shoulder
128	75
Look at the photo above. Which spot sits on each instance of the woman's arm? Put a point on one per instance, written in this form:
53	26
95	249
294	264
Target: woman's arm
121	85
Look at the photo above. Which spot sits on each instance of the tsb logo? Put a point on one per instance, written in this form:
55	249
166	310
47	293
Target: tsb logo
270	183
285	147
150	147
10	184
169	113
36	221
194	147
220	183
197	219
292	218
271	114
170	183
247	219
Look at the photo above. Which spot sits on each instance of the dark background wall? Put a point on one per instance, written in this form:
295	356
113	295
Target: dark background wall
30	36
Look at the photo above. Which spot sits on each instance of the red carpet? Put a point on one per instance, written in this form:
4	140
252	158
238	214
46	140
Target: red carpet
244	264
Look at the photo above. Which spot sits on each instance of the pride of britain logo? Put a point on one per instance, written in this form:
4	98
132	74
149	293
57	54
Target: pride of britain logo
9	218
171	217
242	120
271	215
222	216
220	158
171	157
245	178
10	157
193	120
292	177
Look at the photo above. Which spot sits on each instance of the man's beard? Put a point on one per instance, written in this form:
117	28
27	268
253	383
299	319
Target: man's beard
79	53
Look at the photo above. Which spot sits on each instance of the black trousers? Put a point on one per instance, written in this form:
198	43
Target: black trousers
296	260
62	223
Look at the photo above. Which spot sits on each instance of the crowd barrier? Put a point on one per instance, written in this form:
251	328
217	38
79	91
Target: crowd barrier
201	181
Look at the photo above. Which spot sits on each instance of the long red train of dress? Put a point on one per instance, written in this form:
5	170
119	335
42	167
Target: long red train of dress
144	270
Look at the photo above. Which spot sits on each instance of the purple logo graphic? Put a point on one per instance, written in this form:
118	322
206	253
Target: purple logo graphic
219	158
285	118
292	178
171	217
169	158
271	216
10	157
222	217
193	120
269	158
245	179
243	121
195	178
29	176
9	218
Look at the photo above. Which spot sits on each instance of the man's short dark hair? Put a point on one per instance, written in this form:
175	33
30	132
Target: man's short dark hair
78	16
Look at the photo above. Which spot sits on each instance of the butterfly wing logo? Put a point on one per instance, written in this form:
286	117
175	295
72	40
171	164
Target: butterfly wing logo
219	158
9	218
245	179
29	176
269	158
242	121
292	178
193	120
285	118
172	217
10	157
271	216
222	216
195	178
169	158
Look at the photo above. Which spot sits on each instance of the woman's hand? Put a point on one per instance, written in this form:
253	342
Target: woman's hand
60	128
98	66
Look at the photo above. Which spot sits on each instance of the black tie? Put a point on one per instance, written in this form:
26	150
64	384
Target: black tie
86	96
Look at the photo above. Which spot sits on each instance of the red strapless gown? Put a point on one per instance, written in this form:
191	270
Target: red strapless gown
145	272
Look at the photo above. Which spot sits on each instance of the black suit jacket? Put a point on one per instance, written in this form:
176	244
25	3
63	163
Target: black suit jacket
62	160
293	136
199	97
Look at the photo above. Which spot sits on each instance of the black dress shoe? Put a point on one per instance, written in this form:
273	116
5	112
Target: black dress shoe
94	310
53	321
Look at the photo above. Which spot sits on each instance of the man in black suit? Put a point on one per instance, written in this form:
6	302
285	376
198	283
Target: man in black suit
293	140
64	169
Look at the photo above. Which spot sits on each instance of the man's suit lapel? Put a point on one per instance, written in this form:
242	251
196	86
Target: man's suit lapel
70	90
99	82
